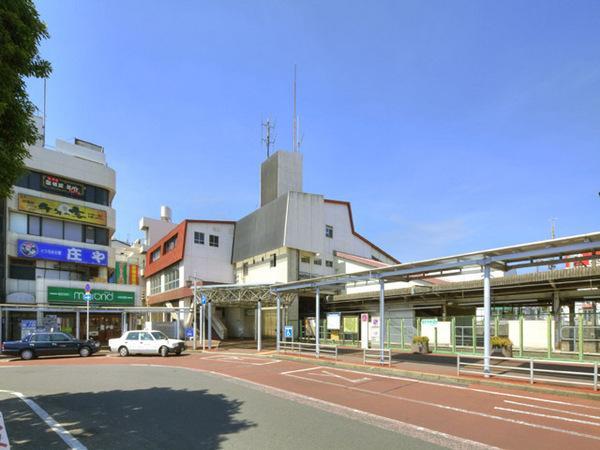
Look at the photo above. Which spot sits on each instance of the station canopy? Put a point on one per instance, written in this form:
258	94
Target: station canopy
246	295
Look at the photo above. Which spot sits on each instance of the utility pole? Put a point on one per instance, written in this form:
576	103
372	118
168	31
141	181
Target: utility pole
553	236
268	137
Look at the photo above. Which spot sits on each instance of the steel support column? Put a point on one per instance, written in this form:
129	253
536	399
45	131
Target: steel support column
258	326
1	337
487	322
381	320
278	320
209	328
317	320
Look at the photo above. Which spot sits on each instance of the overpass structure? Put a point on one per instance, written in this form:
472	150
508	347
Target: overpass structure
549	253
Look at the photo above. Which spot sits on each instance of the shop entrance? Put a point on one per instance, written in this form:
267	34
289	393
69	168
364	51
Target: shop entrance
102	326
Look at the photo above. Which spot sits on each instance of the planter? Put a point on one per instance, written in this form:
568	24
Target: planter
420	348
506	352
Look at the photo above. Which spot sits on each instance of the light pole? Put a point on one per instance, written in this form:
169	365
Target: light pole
88	298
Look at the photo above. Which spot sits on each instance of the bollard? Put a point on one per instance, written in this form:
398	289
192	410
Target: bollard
402	334
453	334
387	328
418	326
435	339
549	334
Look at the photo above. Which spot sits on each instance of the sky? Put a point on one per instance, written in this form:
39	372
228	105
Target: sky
451	126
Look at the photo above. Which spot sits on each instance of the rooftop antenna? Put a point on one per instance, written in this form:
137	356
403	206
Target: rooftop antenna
295	119
553	236
44	118
268	138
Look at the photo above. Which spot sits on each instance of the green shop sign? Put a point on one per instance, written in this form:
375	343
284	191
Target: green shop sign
72	296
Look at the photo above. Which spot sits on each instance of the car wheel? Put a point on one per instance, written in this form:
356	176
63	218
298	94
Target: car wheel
164	351
123	351
85	352
178	352
27	355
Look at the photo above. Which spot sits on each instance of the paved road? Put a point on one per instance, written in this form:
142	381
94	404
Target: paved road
113	407
274	403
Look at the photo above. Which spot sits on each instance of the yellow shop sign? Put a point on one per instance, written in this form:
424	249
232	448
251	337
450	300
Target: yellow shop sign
61	210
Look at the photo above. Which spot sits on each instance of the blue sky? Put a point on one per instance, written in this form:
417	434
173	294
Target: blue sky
451	126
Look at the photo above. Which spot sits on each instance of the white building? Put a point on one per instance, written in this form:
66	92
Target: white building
59	222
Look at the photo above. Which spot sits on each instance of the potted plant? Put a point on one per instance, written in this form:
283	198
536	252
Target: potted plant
501	346
420	344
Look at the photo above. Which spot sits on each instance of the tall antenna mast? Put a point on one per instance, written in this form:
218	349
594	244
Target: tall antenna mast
268	137
44	117
295	123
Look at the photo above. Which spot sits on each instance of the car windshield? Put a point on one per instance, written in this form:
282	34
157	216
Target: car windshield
159	335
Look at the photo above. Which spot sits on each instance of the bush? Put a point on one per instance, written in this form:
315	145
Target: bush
498	341
421	340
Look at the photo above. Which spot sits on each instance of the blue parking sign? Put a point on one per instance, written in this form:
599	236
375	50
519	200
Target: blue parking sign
288	331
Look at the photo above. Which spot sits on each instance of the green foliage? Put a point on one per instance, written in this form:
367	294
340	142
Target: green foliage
420	340
21	32
498	341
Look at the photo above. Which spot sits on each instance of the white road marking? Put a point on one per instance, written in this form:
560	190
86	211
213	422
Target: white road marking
425	434
4	442
68	439
242	359
452	408
547	416
452	386
589	416
326	373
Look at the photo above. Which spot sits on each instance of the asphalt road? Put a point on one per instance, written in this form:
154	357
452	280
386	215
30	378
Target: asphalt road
125	406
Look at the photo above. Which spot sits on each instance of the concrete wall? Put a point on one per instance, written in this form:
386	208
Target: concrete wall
206	262
279	174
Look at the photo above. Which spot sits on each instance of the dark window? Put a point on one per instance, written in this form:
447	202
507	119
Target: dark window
52	228
101	236
317	262
22	270
245	269
170	244
328	231
23	180
329	263
198	237
90	194
90	235
34	225
35	181
42	337
305	259
213	240
101	196
59	337
133	336
274	260
155	255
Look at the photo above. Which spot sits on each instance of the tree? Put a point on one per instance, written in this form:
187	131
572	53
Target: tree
21	32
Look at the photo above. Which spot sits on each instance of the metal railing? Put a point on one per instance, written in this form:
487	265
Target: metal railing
373	356
308	347
528	371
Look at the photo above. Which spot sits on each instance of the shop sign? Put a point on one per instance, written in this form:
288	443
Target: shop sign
100	297
65	253
429	322
333	321
56	184
61	210
351	324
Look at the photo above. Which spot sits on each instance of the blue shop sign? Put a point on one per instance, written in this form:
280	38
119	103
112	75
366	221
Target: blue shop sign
65	253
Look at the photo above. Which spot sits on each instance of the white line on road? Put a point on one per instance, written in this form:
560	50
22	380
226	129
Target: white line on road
326	373
547	416
589	416
452	408
4	442
301	370
68	439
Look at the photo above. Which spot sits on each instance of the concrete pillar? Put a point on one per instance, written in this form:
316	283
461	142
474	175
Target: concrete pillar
258	327
278	318
77	324
1	336
487	313
381	320
317	319
123	322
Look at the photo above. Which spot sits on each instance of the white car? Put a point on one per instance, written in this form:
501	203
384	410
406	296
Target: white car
144	342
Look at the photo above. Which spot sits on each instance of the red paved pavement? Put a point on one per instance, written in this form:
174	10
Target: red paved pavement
507	418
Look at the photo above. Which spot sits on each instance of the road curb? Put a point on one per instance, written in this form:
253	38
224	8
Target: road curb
447	379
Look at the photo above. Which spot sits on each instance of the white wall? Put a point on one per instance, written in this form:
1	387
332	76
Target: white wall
206	262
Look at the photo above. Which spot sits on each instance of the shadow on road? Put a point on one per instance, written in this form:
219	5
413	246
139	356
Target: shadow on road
144	418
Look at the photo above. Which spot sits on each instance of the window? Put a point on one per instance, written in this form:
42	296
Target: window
52	228
34	225
101	236
273	260
213	240
245	269
59	337
155	285
317	262
198	237
170	244
21	270
329	263
328	231
155	255
146	337
73	189
305	259
42	337
133	336
172	278
18	223
73	231
159	335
